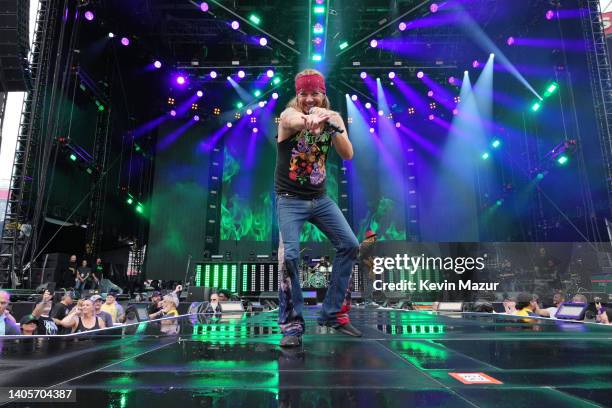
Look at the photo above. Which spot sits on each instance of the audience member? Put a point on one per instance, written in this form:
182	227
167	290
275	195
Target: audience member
106	317
45	324
224	295
112	307
580	298
28	325
213	306
170	304
83	275
8	326
526	305
602	313
82	318
558	298
60	310
155	305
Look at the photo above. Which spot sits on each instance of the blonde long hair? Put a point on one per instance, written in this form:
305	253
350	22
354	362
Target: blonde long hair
293	102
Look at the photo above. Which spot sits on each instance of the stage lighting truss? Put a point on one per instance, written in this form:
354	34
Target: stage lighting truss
433	105
194	106
171	101
237	115
349	120
216	111
411	111
373	120
277	120
457	99
318	14
253	120
390	116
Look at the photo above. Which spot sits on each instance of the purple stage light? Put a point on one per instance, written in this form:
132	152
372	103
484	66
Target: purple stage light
430	94
320	1
204	6
263	41
550	15
241	74
249	111
451	80
317	40
274	95
213	74
371	130
368	105
172	112
262	104
89	15
420	74
157	64
380	113
200	94
373	43
196	118
402	26
455	112
431	117
391	75
353	97
363	75
125	41
510	41
229	124
397	124
180	80
269	73
235	25
434	8
475	64
255	130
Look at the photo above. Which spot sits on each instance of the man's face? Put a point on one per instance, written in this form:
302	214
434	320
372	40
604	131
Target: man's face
214	298
84	263
222	297
73	259
557	299
4	301
98	261
310	99
155	299
98	305
67	300
110	299
28	327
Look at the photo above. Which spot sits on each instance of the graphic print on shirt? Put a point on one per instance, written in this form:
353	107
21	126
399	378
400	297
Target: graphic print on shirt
307	162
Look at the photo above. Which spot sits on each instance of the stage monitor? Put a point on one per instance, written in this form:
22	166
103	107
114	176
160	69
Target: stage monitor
573	311
258	277
219	275
198	294
310	297
450	307
141	311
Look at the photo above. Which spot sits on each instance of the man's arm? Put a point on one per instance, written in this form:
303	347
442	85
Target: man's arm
341	142
293	121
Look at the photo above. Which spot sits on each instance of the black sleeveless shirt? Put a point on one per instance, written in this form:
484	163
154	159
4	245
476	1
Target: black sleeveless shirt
300	164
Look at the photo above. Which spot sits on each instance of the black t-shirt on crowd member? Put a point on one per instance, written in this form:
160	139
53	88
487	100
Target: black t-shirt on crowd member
153	308
59	311
46	325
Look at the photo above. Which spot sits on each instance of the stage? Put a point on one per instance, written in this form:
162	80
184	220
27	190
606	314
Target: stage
405	358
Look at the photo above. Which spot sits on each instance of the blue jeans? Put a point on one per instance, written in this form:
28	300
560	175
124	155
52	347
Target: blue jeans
324	213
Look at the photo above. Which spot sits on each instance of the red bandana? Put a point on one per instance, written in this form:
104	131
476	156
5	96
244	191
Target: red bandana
309	83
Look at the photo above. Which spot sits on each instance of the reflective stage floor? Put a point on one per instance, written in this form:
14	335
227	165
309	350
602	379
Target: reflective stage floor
405	358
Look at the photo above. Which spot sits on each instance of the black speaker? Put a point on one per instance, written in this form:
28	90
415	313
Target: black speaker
14	23
20	309
198	294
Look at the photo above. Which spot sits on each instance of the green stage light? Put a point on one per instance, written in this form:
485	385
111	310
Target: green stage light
139	208
89	170
536	106
496	143
101	108
257	93
254	19
137	147
499	202
562	160
540	176
276	81
316	57
239	105
130	201
485	156
319	9
343	45
73	157
551	89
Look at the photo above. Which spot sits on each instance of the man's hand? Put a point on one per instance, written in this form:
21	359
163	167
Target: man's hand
47	296
315	121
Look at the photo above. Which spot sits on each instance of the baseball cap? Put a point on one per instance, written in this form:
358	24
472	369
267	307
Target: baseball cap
28	319
95	298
